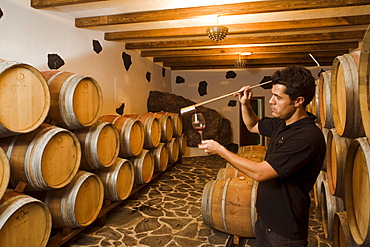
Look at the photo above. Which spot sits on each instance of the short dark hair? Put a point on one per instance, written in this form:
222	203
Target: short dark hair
298	81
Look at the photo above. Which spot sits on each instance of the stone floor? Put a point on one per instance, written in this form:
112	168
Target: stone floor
167	212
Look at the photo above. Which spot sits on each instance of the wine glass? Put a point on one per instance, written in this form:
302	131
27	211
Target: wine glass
199	123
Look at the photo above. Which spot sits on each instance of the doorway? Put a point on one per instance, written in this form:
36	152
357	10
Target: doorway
247	137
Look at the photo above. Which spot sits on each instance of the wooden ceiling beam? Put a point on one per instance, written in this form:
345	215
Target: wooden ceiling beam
304	60
224	9
317	55
253	49
40	4
243	28
271	39
232	67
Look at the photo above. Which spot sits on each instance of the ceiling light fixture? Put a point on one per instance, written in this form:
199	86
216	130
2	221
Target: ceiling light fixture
217	33
240	63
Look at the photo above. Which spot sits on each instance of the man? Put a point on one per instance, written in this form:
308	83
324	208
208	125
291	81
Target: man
293	159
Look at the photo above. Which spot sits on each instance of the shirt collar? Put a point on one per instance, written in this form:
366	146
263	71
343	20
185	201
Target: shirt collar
303	122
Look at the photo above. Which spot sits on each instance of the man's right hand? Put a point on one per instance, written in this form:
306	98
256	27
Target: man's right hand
245	95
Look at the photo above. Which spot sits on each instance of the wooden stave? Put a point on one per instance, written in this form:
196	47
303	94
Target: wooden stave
4	172
23	152
90	137
358	215
329	206
351	126
6	130
221	221
335	159
127	128
143	167
364	83
62	86
326	117
63	202
10	204
110	177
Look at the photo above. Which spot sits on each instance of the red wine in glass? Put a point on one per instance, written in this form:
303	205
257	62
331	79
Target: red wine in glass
199	123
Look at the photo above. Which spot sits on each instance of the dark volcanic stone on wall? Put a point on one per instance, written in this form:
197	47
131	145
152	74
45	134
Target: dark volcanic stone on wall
266	79
179	79
148	76
120	110
232	103
97	46
55	61
230	74
126	60
215	125
202	88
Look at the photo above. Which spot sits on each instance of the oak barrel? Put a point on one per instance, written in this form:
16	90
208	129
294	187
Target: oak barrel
76	100
24	221
253	152
24	98
160	155
317	187
77	204
335	160
228	206
4	172
118	179
229	172
341	234
357	190
131	134
314	104
329	206
165	123
46	158
177	123
325	110
99	145
173	150
345	102
325	132
364	81
152	129
181	139
143	167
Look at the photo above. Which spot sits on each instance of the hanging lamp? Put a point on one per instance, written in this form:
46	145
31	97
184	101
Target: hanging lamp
217	33
240	63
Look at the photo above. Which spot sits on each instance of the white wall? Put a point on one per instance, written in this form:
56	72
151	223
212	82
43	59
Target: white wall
28	35
219	85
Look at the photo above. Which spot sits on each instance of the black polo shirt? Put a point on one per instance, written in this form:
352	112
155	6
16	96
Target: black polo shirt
297	153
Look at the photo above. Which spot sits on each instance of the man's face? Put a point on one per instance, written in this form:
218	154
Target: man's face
281	105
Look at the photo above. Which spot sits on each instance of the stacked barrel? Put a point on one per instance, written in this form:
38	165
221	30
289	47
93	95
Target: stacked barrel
150	141
343	109
60	159
46	186
228	201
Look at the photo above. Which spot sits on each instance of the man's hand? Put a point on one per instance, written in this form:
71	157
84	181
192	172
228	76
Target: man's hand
245	95
210	147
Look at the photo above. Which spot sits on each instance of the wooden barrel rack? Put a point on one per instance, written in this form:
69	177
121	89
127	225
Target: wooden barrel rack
61	236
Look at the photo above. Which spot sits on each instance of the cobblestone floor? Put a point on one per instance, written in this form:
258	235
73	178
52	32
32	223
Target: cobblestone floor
167	212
